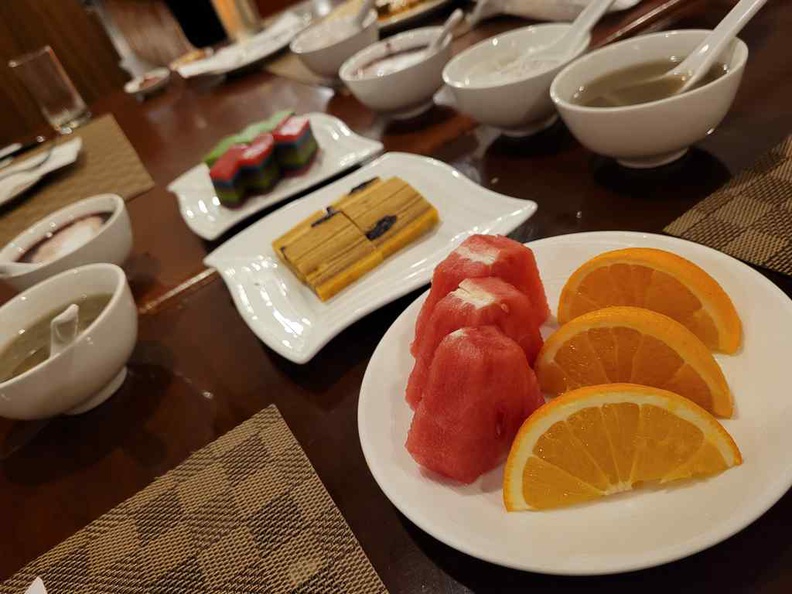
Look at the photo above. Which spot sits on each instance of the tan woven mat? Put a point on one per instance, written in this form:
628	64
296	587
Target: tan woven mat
107	163
245	514
751	216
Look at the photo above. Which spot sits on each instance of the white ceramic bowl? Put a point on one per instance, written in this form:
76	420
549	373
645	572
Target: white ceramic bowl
517	106
326	59
649	134
403	93
111	244
87	371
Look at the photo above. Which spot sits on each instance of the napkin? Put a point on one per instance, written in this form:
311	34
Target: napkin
37	587
275	37
545	10
13	185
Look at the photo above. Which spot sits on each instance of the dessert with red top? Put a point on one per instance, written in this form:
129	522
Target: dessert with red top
226	176
260	169
295	145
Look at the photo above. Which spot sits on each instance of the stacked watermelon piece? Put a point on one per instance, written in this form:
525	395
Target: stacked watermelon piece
476	337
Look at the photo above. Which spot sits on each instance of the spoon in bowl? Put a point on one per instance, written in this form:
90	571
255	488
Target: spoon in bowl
561	50
63	329
362	13
451	22
696	66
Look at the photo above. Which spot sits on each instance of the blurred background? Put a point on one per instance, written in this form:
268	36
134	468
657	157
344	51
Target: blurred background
100	42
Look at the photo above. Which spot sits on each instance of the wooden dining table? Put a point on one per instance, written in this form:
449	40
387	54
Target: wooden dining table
198	371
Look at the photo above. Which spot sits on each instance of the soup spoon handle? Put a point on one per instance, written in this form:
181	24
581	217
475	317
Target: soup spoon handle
452	21
63	329
701	59
584	22
362	13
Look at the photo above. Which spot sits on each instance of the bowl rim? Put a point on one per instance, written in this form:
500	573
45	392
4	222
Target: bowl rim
121	282
455	84
346	77
580	62
369	23
119	207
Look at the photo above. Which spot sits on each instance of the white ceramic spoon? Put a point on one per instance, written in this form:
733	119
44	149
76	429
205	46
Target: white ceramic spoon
561	50
692	69
63	329
362	13
451	22
701	59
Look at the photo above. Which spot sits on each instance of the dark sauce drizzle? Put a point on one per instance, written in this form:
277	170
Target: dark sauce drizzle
363	185
382	227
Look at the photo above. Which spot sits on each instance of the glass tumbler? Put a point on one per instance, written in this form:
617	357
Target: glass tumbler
44	76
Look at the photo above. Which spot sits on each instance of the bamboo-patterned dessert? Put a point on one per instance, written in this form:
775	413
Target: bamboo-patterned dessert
333	248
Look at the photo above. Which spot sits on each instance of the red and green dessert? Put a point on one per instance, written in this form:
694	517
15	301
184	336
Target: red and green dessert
295	145
260	170
226	176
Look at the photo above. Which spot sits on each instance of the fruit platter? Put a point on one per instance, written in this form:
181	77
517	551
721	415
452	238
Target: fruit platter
587	404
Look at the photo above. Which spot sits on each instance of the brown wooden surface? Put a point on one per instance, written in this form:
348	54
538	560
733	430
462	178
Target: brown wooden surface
80	43
198	371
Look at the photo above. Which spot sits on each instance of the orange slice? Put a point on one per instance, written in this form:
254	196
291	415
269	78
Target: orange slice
660	281
636	345
600	440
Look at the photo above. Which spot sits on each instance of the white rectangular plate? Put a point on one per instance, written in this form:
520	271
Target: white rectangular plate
339	149
290	319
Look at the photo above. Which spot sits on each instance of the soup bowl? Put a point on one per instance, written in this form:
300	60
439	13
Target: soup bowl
404	93
111	244
654	133
90	368
325	59
518	105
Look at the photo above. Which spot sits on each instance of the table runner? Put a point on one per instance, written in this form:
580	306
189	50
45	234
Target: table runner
750	217
247	513
107	164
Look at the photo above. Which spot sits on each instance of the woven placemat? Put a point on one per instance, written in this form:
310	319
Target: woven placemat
245	514
107	163
750	217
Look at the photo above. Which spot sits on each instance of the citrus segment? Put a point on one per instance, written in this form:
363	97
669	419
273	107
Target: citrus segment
600	440
635	345
657	280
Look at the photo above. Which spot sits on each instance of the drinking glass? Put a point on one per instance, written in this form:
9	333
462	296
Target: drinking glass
45	79
240	18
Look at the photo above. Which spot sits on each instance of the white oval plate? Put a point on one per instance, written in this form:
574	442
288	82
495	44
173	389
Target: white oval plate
339	149
290	319
623	533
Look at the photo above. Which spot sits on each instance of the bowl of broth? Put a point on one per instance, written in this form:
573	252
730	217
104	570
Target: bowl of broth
95	229
613	103
493	83
325	46
397	76
46	370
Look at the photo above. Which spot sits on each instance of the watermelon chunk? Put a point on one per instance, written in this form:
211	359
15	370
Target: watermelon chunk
479	391
485	255
476	302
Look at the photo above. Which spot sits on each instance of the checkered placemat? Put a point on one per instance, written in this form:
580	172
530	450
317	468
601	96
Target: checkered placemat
245	514
751	216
